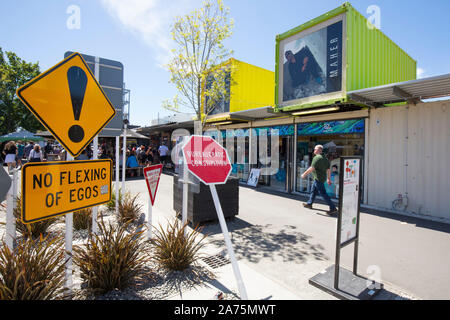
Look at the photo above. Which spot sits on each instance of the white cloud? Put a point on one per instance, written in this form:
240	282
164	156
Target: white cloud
149	20
421	73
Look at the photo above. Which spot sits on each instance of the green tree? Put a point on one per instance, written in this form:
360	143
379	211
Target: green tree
14	72
197	67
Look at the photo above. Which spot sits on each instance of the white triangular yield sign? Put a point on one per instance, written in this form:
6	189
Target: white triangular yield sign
152	175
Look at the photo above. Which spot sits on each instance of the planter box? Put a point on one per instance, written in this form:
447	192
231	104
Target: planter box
201	205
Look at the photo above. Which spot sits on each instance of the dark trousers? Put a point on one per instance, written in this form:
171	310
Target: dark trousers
319	188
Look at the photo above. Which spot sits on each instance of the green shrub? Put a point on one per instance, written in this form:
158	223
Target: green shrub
82	219
34	270
129	208
173	249
111	259
33	230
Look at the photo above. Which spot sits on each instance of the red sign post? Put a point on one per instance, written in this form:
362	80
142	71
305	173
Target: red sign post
152	175
208	161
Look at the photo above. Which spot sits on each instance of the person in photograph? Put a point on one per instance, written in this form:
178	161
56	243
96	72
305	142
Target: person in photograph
304	71
320	170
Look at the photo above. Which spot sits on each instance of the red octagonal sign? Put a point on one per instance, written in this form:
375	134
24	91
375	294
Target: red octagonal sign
207	160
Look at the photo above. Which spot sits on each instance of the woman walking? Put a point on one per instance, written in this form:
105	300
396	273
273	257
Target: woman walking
10	153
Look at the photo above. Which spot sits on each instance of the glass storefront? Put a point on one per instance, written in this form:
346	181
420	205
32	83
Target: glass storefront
284	152
339	138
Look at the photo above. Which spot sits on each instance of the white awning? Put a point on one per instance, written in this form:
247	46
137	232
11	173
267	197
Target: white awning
414	90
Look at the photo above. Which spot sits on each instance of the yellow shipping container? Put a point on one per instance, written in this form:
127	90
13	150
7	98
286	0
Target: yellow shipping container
250	87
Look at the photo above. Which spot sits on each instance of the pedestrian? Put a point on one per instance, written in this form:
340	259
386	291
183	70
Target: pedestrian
163	152
132	163
48	149
320	170
83	155
10	153
27	149
36	154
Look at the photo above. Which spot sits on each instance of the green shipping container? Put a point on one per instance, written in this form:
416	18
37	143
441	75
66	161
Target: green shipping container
318	62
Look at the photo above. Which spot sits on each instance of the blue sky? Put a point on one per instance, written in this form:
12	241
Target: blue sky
136	32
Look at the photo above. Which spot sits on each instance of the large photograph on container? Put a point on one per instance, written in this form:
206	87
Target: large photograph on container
312	63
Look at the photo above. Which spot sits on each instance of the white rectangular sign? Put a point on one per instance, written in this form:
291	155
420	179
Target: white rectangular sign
350	199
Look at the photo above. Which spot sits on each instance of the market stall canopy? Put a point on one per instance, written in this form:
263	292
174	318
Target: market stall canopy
105	133
414	90
23	135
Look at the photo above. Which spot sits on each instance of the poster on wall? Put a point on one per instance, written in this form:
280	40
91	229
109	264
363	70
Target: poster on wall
312	63
350	197
253	177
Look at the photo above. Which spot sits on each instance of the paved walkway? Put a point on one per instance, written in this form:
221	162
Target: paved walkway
281	245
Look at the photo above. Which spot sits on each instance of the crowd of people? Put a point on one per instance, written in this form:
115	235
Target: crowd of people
14	154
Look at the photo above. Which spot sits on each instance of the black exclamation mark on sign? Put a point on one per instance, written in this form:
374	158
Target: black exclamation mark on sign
77	85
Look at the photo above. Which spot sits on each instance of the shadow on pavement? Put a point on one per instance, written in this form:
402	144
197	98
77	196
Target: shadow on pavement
257	242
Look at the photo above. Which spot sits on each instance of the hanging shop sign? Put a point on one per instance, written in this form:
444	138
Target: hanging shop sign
50	189
331	127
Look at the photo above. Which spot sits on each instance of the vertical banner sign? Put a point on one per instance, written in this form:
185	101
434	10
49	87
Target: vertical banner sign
334	57
152	175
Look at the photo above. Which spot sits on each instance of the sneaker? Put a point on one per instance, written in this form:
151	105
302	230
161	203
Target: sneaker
332	212
308	206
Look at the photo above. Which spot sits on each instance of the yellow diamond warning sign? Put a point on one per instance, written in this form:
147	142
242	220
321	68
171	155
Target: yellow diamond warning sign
69	102
54	188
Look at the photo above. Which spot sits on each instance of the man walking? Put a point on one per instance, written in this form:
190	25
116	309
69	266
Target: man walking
320	169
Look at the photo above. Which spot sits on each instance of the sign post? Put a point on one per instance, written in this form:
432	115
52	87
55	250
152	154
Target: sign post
10	185
68	100
209	162
152	175
337	280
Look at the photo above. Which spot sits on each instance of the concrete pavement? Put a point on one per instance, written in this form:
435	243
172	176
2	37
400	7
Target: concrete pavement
282	244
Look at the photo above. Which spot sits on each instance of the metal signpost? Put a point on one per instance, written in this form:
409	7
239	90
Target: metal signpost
208	161
110	76
337	280
68	100
152	175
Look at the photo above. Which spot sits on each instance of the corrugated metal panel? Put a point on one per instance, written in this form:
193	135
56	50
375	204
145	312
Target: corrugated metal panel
428	159
252	87
372	58
416	135
386	162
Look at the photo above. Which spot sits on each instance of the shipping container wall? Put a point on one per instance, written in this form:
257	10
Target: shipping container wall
408	154
252	87
372	58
